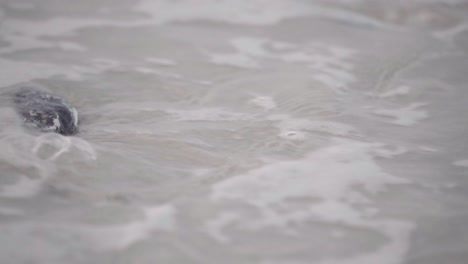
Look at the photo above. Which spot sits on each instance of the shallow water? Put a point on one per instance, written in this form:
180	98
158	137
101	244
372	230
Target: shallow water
247	131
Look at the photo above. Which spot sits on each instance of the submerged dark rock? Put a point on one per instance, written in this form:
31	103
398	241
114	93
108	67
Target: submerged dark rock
45	111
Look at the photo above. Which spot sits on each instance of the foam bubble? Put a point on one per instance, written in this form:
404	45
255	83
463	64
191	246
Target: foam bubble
293	135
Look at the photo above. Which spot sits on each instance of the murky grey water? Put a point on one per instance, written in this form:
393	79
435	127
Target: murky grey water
253	131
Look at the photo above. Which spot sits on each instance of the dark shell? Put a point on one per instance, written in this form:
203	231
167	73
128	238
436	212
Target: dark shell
46	111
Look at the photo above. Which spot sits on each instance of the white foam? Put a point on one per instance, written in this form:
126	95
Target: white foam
282	46
208	114
265	102
329	177
258	12
20	5
19	71
103	64
401	90
399	235
61	145
23	34
347	164
23	188
461	163
52	27
405	116
71	46
251	12
51	238
27	171
214	226
57	124
237	60
390	153
451	33
428	148
247	49
122	236
330	81
16	71
251	46
19	42
75	116
161	61
330	64
11	211
146	70
289	123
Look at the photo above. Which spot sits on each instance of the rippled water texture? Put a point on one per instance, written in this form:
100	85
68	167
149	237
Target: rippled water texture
247	131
